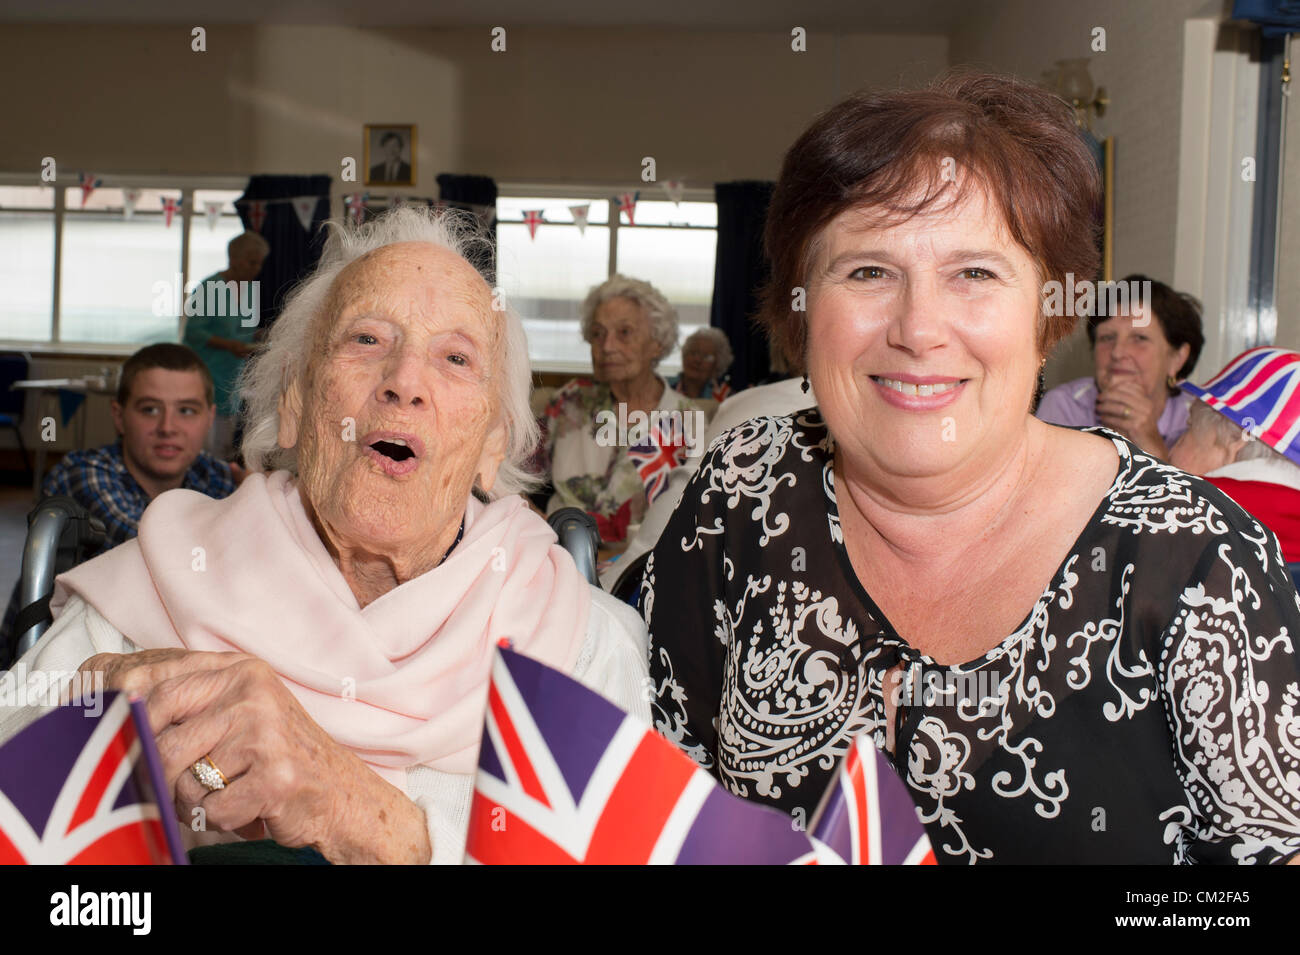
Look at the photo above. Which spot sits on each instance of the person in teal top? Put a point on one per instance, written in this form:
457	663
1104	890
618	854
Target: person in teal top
221	320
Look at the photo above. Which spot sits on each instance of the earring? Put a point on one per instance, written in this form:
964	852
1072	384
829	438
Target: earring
805	386
1171	382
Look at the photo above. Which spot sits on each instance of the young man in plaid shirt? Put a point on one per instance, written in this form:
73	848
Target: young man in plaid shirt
163	412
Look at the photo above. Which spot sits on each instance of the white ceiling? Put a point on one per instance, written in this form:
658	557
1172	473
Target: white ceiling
859	16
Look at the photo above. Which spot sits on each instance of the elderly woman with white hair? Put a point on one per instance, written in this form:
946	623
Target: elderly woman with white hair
314	651
706	357
1243	436
630	327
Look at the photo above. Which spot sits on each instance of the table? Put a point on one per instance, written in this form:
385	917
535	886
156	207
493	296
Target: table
46	388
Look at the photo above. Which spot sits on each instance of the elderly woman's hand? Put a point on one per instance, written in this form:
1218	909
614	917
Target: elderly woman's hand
1126	408
285	775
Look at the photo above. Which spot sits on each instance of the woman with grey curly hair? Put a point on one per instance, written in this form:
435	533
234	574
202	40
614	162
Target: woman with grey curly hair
613	472
706	357
317	646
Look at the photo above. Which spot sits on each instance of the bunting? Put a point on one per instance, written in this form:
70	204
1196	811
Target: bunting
627	204
89	184
580	215
256	213
213	212
675	189
533	218
170	207
129	198
356	206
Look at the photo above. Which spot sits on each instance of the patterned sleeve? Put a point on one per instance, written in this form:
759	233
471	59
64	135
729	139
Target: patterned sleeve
682	600
1230	679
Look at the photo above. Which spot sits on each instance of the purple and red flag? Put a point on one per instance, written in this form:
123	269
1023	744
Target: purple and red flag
77	788
567	777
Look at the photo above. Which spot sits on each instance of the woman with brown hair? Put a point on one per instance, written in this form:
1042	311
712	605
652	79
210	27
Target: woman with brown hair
1072	652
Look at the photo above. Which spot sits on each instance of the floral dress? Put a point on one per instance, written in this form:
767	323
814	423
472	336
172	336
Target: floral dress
1146	710
587	471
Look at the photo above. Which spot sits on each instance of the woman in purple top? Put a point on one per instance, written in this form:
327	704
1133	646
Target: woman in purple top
1139	363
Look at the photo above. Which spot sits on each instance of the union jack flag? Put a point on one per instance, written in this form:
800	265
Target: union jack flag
1259	391
533	218
356	205
627	204
77	789
256	213
567	777
89	184
170	205
663	450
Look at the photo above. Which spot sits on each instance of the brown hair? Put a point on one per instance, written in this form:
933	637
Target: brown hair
887	150
1177	313
168	356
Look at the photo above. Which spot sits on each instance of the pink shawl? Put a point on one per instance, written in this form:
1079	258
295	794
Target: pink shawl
401	682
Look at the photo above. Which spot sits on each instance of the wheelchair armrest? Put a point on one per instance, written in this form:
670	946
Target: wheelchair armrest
59	534
577	532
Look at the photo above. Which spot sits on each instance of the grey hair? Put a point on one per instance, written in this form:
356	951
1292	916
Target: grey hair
245	240
720	342
661	314
283	357
1225	432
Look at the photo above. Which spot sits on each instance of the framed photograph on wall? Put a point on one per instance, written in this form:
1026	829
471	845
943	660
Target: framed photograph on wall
390	154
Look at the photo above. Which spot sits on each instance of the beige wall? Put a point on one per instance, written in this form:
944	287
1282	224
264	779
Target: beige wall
575	105
1141	70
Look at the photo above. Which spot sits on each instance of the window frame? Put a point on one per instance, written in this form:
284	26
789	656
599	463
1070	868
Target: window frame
596	193
186	184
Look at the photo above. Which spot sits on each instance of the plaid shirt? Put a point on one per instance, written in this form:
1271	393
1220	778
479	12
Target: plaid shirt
98	480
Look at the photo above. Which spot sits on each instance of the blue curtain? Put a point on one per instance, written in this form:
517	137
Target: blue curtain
294	251
740	271
1274	17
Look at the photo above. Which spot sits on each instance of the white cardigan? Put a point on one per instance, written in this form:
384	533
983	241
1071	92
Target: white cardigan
611	661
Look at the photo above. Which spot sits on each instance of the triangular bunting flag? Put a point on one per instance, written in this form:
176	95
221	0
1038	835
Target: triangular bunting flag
627	204
580	215
304	207
213	212
533	218
129	198
170	207
674	188
256	213
356	206
88	185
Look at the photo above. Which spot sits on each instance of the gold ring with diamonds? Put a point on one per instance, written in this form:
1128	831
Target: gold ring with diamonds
209	777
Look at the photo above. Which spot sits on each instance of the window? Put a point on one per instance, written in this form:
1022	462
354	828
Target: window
26	262
671	245
110	269
110	265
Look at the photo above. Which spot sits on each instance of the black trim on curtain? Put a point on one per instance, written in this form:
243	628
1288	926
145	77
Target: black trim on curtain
475	191
294	252
740	271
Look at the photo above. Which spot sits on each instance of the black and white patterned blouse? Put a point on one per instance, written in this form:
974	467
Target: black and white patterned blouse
1145	711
